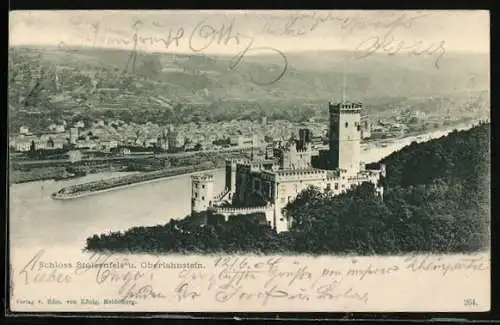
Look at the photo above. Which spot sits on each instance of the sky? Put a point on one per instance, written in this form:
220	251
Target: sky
228	32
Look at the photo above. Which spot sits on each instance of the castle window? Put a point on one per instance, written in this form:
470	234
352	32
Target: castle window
196	185
346	124
203	186
282	219
359	127
195	195
203	198
336	186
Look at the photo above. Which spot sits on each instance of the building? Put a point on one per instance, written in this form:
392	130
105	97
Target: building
305	139
24	130
246	141
22	146
162	141
73	135
57	128
269	151
80	124
74	155
174	139
202	195
267	186
125	151
366	130
107	146
345	136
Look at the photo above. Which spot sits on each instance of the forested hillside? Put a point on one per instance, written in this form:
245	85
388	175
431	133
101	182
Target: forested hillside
437	199
47	85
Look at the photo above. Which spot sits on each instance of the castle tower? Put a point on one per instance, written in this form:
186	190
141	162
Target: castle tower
305	138
172	136
202	192
269	151
231	175
366	130
345	136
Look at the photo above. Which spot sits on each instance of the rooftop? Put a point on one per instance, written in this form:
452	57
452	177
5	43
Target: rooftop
345	106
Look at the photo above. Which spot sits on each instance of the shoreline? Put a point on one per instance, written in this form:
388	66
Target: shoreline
55	195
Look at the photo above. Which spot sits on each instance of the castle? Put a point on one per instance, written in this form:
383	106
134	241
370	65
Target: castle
268	185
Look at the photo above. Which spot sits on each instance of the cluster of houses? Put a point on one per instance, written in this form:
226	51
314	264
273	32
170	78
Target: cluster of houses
105	136
170	140
26	141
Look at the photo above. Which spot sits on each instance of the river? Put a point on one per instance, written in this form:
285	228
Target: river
36	220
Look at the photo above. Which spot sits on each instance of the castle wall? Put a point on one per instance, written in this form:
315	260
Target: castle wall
345	136
293	159
227	212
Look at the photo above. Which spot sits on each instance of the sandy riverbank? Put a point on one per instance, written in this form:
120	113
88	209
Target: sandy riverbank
57	196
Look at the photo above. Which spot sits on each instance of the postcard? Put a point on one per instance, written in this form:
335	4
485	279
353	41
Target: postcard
249	161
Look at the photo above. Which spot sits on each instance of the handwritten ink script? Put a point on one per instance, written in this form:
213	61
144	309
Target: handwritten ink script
391	46
363	35
245	283
202	37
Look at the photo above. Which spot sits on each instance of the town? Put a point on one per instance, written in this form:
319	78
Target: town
108	135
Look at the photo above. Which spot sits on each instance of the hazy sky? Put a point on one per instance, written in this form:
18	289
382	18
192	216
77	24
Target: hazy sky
217	31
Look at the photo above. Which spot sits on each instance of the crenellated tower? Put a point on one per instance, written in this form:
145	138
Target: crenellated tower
230	181
202	192
345	136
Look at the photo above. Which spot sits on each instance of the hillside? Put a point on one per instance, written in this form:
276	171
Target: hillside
54	83
437	199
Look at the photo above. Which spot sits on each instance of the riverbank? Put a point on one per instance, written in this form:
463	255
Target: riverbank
57	173
116	183
29	171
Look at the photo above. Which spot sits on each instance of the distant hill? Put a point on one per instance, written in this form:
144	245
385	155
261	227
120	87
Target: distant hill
63	82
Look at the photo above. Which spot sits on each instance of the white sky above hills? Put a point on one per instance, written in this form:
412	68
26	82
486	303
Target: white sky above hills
216	32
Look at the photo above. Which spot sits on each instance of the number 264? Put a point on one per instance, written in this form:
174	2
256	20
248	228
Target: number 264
470	302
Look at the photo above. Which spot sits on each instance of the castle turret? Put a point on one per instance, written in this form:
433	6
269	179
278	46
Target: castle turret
231	175
345	136
202	192
305	138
